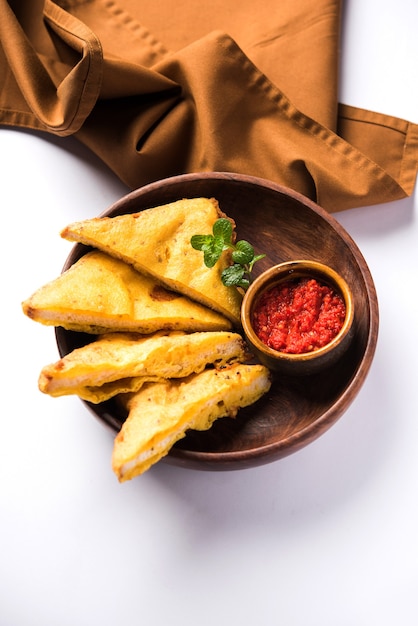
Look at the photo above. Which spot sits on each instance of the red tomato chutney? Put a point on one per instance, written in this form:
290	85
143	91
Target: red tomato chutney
298	315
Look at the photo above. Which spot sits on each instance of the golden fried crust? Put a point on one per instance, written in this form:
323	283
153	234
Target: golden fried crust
161	413
100	294
124	362
157	242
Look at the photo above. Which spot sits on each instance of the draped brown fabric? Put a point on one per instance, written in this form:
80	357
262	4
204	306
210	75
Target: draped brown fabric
160	88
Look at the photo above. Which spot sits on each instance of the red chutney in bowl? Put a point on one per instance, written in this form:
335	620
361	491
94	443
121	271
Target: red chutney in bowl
298	315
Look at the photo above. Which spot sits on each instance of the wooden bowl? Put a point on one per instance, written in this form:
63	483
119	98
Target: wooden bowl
307	362
298	409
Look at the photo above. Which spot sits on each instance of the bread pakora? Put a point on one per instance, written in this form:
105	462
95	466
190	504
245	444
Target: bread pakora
100	293
124	362
156	241
161	413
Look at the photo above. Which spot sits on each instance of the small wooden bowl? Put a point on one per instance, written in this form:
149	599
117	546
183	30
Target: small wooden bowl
304	363
286	226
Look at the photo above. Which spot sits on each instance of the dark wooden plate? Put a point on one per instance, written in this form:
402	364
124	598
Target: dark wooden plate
285	225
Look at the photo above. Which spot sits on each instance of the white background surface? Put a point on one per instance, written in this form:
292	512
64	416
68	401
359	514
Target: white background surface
325	537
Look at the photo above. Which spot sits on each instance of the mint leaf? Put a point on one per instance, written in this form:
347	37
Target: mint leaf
212	251
223	228
200	241
210	257
232	275
255	259
212	246
243	253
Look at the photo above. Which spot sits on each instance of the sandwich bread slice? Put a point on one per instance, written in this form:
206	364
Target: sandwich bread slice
156	242
161	413
123	362
101	294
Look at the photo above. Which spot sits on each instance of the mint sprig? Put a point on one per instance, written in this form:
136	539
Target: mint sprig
243	256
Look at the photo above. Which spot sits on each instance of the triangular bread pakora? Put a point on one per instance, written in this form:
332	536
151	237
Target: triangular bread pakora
124	362
161	413
156	241
100	294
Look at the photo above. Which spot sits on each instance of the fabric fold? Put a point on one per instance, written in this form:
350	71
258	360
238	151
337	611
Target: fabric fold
60	98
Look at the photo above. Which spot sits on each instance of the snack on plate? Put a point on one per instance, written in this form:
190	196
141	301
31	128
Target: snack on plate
156	241
102	294
165	348
123	362
161	413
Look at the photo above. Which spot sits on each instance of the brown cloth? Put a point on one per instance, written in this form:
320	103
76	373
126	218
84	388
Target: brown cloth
162	88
